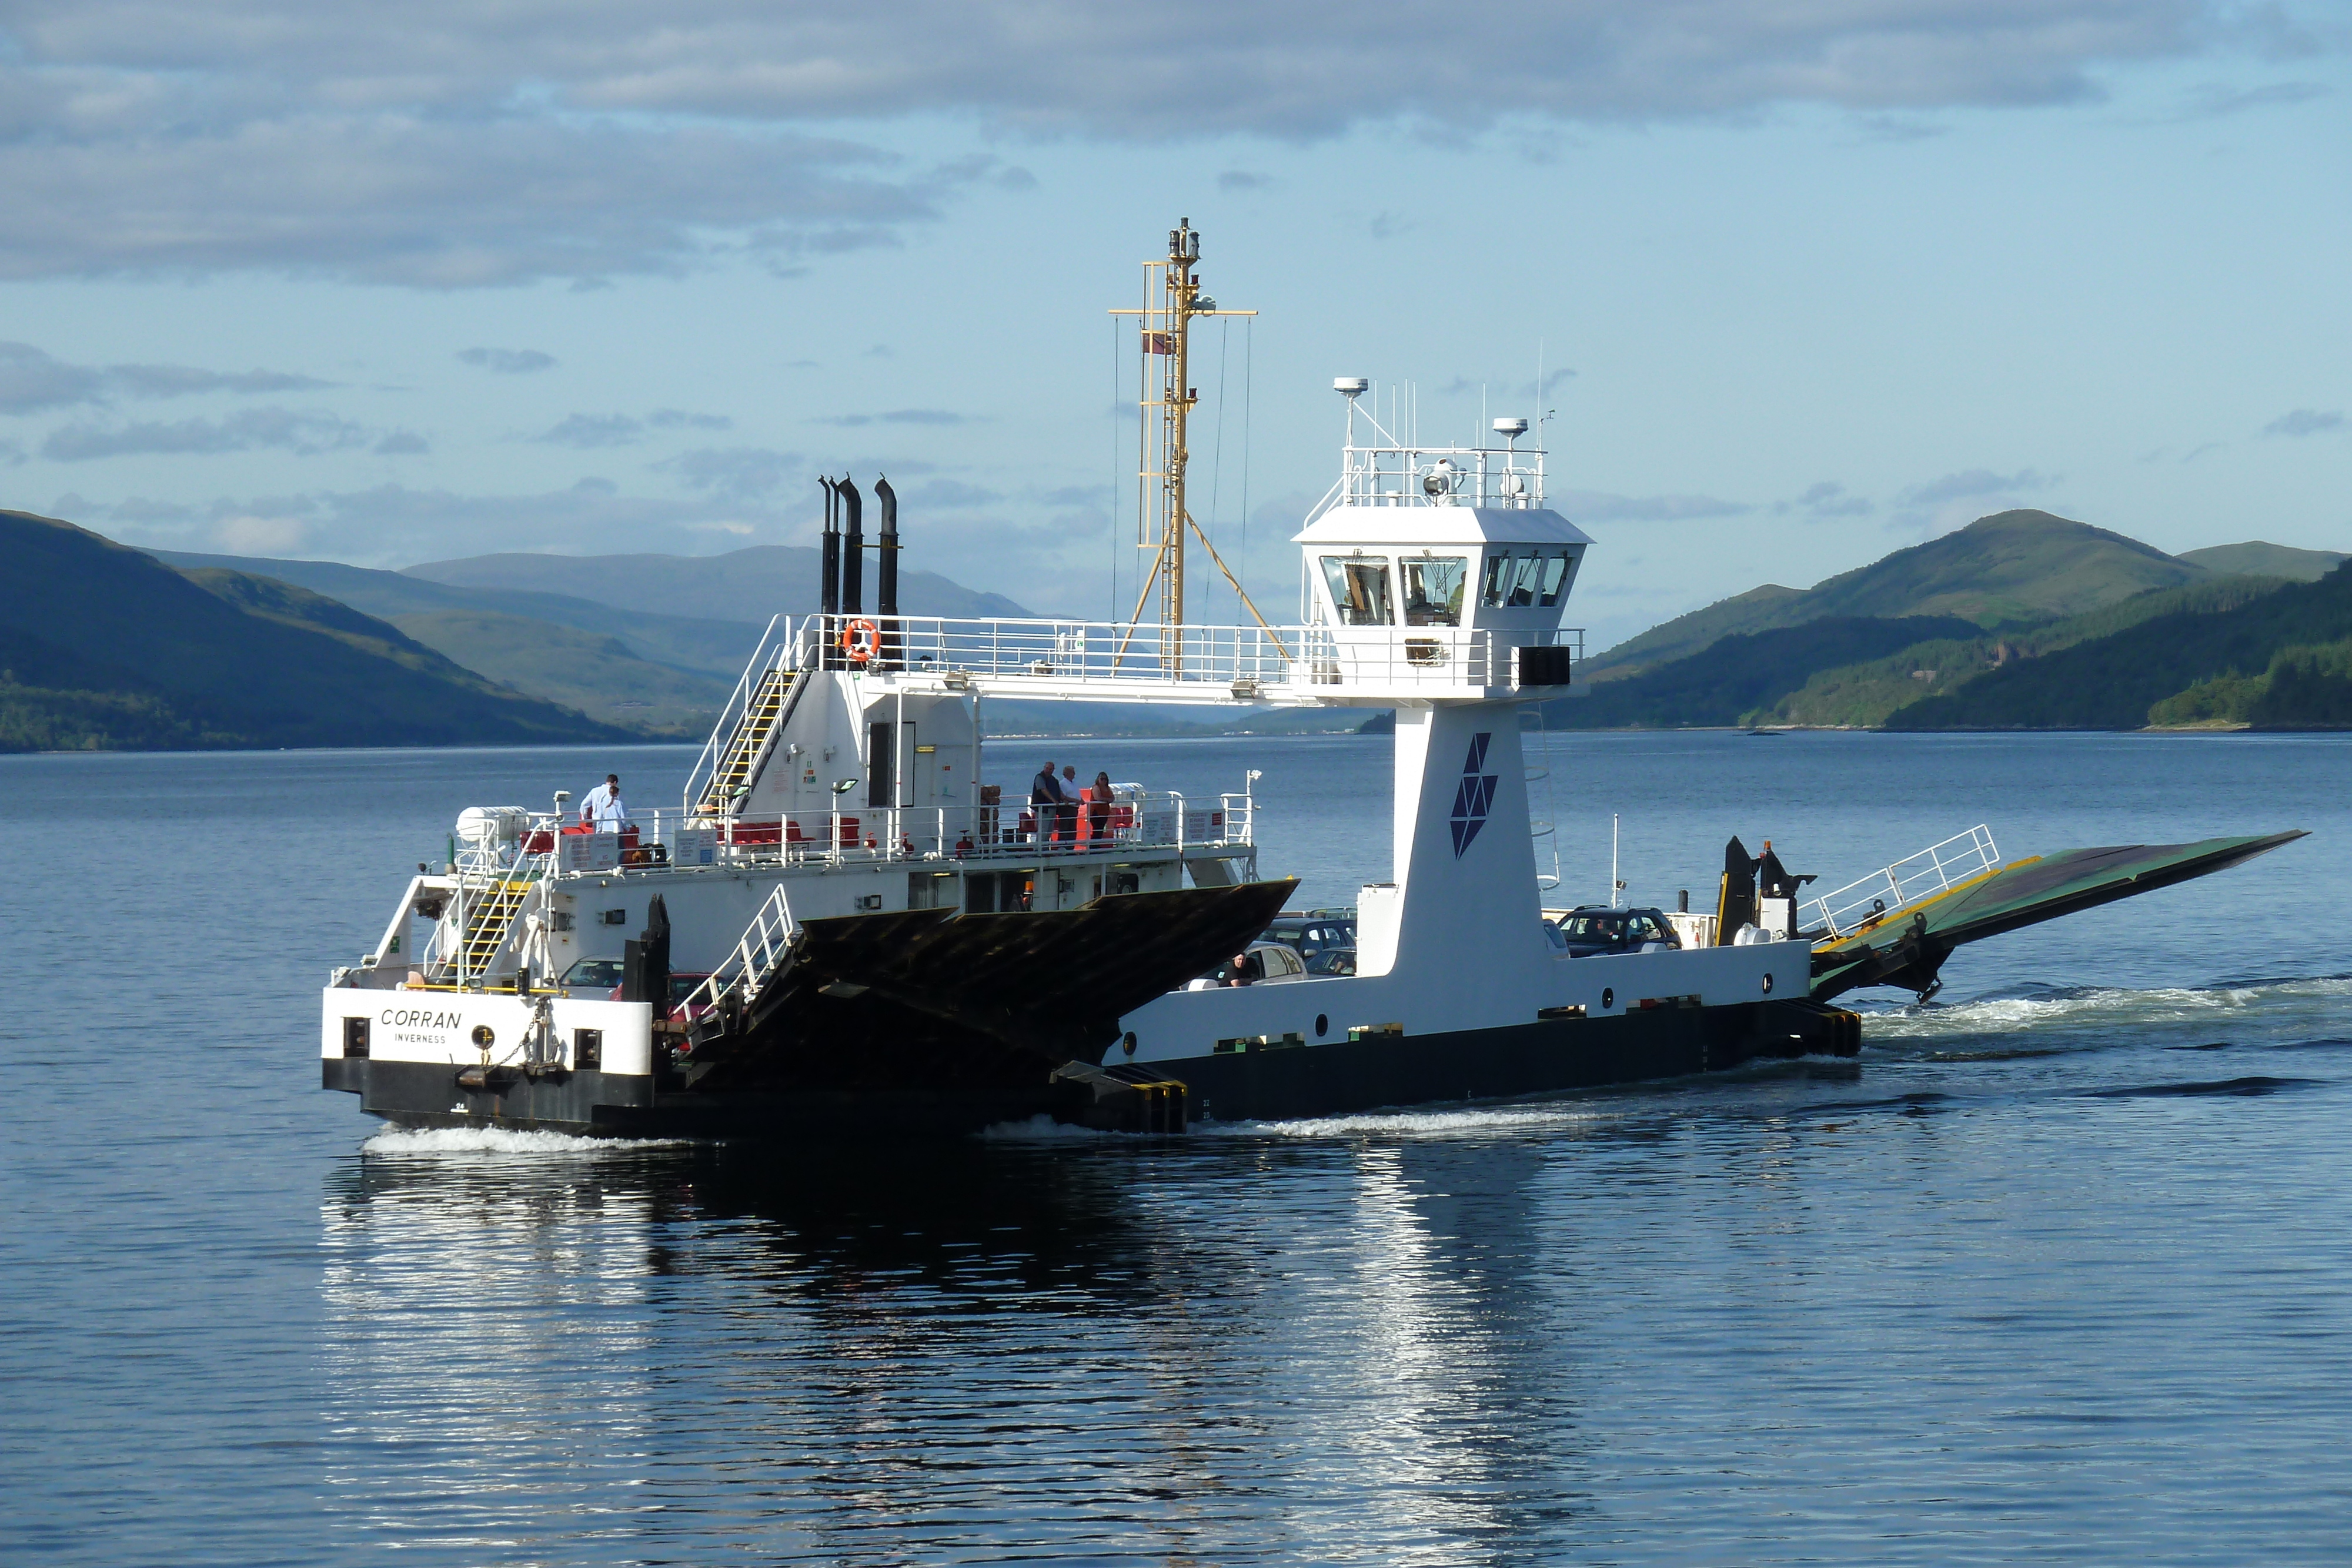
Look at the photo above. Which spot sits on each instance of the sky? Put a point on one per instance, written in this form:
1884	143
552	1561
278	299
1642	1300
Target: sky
1805	282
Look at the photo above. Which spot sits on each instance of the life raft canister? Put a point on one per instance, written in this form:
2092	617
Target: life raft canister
861	640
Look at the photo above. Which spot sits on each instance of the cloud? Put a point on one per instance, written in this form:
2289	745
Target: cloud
2305	421
739	473
508	361
1825	499
901	416
402	443
31	380
951	493
392	525
679	419
10	455
585	430
1600	507
305	435
1242	180
451	145
246	534
1972	483
2211	102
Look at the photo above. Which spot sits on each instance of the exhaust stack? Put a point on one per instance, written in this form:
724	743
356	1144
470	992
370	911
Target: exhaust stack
853	547
886	568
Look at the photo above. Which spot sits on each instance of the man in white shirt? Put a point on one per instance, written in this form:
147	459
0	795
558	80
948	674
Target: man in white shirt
604	809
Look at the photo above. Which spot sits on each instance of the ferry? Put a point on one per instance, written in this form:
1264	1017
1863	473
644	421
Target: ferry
849	926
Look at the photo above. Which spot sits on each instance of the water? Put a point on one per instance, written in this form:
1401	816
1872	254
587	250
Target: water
2057	1270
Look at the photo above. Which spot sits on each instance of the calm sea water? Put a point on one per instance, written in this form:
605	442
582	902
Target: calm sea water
2060	1270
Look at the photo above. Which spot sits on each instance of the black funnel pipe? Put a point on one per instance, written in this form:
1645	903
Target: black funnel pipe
886	568
829	572
853	547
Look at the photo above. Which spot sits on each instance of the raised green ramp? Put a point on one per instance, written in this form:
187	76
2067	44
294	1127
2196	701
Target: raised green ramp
1907	947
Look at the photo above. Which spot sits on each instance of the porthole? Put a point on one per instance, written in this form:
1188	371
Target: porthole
1127	1042
1322	1025
1768	984
1608	997
483	1037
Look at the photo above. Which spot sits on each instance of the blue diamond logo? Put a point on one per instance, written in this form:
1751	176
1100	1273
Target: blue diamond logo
1473	796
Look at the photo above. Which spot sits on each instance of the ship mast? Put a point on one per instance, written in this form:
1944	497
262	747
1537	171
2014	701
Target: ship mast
1162	518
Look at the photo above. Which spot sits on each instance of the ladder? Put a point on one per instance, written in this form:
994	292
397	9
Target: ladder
490	911
763	951
764	715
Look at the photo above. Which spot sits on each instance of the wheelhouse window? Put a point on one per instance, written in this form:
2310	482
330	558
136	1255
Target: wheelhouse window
1359	590
1433	590
1525	578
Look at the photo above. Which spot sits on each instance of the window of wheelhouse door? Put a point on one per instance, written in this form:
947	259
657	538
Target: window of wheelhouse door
880	756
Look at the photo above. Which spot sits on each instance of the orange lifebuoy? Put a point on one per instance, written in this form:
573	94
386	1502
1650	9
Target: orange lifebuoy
861	640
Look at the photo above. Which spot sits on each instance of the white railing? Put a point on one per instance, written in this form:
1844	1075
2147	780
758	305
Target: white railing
772	652
1131	822
1403	475
761	947
1890	891
1218	662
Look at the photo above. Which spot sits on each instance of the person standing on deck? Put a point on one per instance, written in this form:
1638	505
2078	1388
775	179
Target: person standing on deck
603	809
1046	797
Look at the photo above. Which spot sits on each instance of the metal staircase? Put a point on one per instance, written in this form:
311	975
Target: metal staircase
764	951
491	911
763	716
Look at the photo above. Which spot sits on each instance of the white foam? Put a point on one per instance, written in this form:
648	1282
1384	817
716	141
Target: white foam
399	1143
2102	1009
1414	1123
1039	1128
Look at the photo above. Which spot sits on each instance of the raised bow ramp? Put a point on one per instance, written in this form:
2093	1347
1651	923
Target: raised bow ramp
1906	946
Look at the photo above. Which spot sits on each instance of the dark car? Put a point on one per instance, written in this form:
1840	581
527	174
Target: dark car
1332	963
1312	932
600	979
1597	928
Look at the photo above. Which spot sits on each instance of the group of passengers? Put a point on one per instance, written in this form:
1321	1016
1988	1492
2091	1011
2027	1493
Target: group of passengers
1058	807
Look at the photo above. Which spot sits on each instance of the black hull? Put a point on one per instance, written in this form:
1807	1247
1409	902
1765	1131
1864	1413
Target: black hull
1262	1085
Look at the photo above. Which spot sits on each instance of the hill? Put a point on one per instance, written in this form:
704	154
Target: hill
663	675
2283	660
713	646
105	647
2014	567
1740	678
1867	695
2256	558
745	585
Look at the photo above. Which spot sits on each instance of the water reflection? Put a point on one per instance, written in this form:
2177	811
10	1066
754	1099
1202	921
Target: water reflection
1219	1350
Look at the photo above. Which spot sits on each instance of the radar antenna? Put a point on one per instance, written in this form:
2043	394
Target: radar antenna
1162	518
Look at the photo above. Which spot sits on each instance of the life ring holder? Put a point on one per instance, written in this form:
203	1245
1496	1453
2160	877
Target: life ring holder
861	640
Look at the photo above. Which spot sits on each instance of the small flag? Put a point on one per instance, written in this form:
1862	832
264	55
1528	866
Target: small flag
1160	343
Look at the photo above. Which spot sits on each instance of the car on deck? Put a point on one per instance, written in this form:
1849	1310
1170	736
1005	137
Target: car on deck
1595	929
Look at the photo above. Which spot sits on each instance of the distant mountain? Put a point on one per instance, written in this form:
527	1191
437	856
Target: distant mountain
104	647
2256	558
1736	680
2283	660
1865	695
2013	568
746	585
658	673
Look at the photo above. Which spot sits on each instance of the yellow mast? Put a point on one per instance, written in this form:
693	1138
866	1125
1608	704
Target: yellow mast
1162	519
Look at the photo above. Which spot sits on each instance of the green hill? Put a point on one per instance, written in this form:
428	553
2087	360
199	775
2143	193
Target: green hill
1865	695
716	648
2256	558
2011	569
2282	660
1739	678
105	647
747	585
